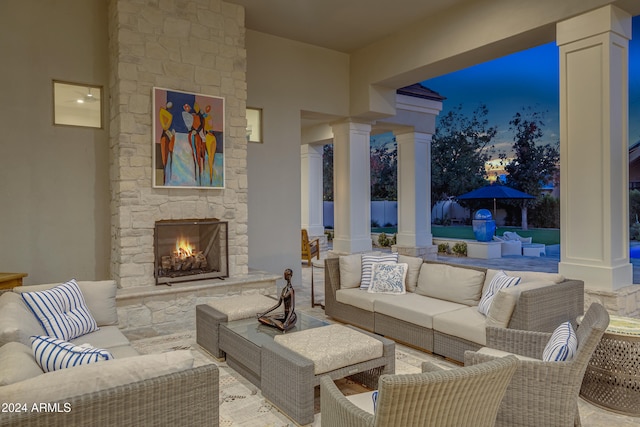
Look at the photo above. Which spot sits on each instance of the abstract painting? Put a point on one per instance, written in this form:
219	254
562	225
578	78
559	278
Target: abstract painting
188	140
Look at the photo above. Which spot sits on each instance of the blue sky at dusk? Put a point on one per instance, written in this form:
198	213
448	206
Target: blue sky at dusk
526	79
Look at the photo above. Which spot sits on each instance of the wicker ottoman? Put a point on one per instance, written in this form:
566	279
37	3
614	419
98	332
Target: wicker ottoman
292	365
223	310
612	378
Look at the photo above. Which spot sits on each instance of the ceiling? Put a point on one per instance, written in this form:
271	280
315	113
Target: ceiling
342	25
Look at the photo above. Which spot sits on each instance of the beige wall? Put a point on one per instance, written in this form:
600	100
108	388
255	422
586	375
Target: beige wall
283	78
54	188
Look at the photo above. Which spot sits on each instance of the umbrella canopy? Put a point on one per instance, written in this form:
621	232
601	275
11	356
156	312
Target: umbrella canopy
495	192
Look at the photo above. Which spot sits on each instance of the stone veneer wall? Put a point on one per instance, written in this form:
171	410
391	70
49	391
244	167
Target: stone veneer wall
186	45
622	302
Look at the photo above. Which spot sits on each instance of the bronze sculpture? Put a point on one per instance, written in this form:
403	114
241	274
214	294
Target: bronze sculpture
286	320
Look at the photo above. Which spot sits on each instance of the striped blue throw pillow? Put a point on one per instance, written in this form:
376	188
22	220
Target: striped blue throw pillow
500	281
62	311
562	345
53	354
367	267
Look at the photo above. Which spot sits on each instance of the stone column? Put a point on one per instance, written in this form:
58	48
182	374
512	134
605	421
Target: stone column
414	195
352	187
594	222
311	197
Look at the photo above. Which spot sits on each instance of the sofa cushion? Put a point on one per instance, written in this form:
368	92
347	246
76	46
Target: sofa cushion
500	281
412	308
388	278
53	354
99	295
350	271
62	311
17	363
413	272
17	322
105	337
66	383
502	308
562	345
449	283
357	298
367	266
121	351
466	323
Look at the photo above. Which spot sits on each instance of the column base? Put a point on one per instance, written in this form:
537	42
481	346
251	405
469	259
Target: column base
429	252
599	278
621	302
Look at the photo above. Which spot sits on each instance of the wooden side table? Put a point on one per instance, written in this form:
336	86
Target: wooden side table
11	280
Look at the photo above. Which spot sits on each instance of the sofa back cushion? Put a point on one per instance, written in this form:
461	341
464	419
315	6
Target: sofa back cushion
17	363
525	277
411	282
350	271
99	295
446	282
17	322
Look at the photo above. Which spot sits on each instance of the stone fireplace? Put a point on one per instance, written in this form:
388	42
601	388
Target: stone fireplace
186	250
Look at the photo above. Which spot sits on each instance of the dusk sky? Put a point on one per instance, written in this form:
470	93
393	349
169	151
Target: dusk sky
526	79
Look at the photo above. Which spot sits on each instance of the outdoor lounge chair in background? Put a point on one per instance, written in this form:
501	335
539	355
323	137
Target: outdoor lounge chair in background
512	235
466	396
310	248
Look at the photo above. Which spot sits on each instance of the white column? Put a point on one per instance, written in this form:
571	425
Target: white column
351	187
594	226
414	194
311	186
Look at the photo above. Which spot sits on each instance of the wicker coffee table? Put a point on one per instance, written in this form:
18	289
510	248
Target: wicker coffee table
286	378
612	378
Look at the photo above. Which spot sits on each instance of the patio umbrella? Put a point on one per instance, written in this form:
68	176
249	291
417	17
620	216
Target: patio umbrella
495	192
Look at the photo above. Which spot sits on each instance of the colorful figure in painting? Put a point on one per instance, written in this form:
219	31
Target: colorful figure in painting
196	121
211	142
286	320
167	141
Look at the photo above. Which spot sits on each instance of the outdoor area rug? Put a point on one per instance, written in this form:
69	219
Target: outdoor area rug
241	403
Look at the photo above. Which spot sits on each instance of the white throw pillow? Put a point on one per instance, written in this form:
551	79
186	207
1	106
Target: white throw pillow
562	345
367	264
62	311
388	278
53	354
499	281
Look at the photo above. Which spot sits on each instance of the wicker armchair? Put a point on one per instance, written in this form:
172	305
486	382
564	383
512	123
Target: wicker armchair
543	393
468	396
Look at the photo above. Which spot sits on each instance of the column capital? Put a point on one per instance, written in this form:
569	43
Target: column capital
607	19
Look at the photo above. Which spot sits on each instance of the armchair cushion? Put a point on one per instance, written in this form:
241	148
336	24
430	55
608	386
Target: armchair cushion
562	346
62	311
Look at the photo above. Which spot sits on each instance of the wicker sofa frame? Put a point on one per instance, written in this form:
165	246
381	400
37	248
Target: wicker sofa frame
541	309
185	398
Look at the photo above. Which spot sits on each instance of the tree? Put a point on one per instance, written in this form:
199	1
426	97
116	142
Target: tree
384	172
459	150
533	164
327	172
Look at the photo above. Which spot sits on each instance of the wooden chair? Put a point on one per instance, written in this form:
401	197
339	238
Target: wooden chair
310	248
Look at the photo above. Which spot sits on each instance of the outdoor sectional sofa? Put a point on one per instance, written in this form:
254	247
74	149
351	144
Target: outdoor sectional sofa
129	390
439	311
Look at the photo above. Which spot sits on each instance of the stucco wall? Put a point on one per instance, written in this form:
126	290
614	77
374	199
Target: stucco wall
54	180
283	78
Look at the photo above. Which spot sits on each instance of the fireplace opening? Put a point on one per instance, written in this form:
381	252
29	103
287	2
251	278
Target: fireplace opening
191	249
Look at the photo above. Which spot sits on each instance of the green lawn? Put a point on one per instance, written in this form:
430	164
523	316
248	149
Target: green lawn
548	236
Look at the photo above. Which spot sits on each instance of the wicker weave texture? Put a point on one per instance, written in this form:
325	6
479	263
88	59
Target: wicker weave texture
455	397
186	398
544	393
208	321
405	332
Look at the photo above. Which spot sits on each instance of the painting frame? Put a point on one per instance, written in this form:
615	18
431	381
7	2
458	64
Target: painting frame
188	140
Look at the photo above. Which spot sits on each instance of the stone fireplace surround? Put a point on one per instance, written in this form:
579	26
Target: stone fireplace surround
194	46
